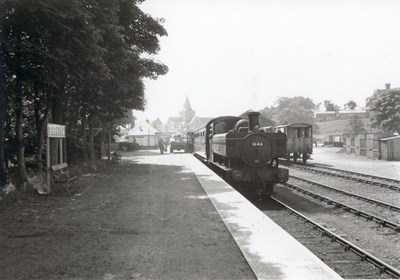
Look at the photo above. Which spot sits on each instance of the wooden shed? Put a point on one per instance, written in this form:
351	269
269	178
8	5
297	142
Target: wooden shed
364	144
390	148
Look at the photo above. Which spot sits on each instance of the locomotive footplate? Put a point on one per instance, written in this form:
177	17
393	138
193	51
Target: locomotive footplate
280	175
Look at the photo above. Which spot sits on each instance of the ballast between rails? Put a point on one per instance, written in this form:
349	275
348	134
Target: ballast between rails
384	267
379	220
363	175
329	172
377	202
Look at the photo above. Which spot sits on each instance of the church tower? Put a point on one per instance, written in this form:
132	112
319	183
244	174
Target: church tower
187	113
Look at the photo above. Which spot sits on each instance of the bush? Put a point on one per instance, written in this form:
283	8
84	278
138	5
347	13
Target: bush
38	183
9	188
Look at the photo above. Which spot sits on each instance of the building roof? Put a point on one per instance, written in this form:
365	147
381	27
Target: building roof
143	128
353	112
325	113
390	138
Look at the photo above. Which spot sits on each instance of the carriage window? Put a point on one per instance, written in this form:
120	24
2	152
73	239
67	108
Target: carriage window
307	132
293	132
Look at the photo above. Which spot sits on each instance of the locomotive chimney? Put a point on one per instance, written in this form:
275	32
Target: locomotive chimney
253	119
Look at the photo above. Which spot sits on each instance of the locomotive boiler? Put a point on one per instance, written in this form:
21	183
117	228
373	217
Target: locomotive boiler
242	154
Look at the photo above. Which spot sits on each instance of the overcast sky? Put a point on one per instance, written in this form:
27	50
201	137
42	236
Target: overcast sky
228	56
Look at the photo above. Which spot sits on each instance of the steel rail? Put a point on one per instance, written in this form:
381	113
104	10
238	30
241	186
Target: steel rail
377	202
358	212
329	171
362	174
199	157
365	256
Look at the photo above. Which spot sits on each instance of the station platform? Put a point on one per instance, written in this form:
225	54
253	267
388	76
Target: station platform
265	251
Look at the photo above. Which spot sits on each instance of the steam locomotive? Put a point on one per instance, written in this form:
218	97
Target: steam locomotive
242	154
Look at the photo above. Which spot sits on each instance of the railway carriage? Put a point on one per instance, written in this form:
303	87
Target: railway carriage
242	154
300	140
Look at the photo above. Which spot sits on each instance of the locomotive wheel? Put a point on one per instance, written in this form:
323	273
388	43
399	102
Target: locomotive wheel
295	156
265	189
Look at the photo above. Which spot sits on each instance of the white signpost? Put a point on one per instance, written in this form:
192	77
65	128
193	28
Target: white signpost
53	131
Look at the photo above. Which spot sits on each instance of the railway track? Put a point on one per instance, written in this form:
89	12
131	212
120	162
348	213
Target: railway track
349	175
350	194
345	258
381	221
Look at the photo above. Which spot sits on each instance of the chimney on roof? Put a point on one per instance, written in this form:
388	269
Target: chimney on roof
387	86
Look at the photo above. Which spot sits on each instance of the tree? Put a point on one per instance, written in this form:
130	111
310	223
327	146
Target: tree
356	125
129	118
291	110
330	107
78	63
350	105
384	110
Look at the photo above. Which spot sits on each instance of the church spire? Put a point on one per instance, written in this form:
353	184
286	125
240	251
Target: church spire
187	105
187	113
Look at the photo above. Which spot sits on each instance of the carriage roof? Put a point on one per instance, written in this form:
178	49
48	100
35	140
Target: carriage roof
293	125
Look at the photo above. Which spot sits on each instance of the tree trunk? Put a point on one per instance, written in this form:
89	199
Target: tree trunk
21	169
83	133
40	129
3	177
91	143
56	116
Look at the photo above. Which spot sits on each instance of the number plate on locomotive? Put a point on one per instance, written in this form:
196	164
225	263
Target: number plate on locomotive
257	144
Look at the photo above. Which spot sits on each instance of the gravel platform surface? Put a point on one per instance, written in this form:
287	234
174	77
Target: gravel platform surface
147	218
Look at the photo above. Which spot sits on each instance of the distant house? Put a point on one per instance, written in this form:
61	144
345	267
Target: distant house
339	115
325	116
344	115
145	135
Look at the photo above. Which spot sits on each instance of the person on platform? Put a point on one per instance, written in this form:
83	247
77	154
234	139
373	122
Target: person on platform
161	145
